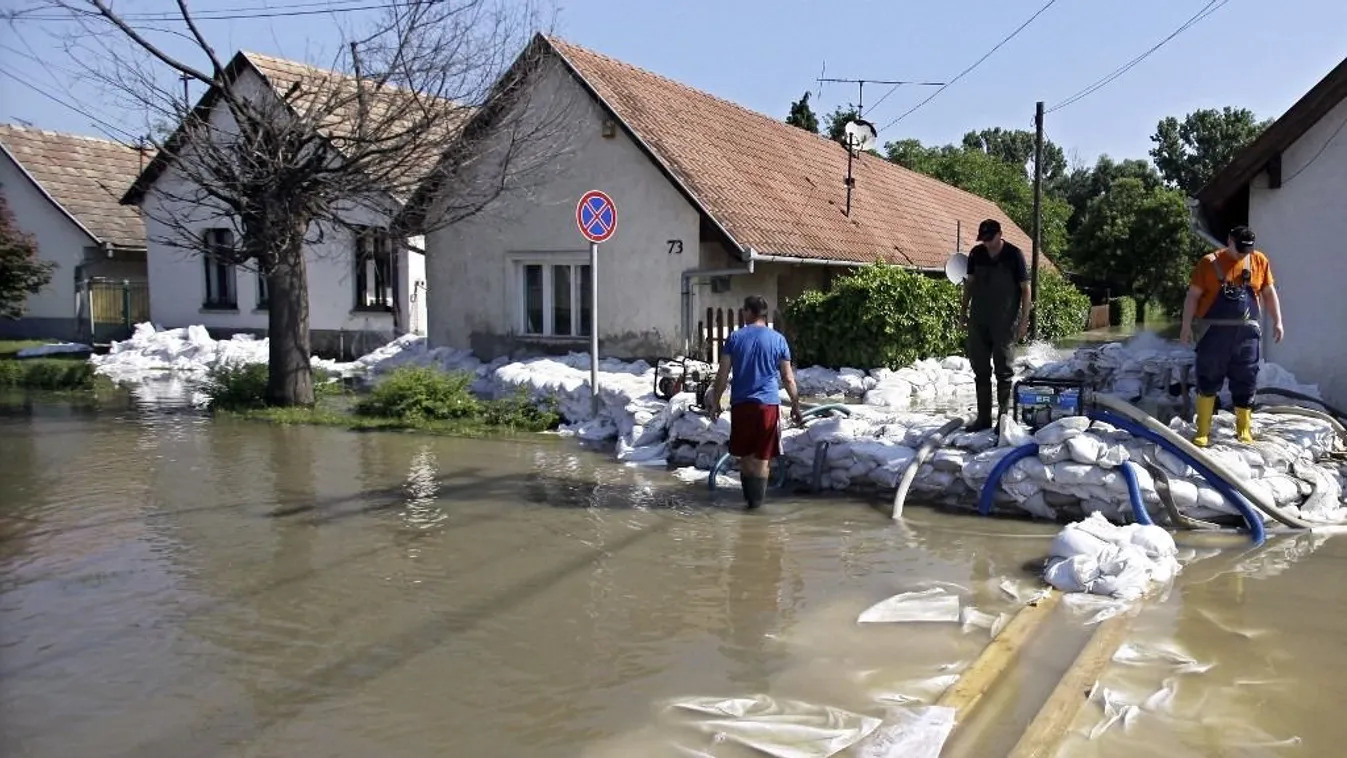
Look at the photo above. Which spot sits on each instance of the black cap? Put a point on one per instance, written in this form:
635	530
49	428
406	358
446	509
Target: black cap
1243	237
988	229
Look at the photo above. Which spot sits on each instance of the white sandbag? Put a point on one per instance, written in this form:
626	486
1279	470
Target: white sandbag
1075	574
910	732
780	728
1055	453
949	459
1061	430
1085	448
1184	494
1033	468
1037	506
1011	434
1154	541
1113	455
1073	540
933	604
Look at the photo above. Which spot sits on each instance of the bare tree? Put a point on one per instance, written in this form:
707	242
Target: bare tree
283	155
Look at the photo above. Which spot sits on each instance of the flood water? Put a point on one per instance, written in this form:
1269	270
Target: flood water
172	585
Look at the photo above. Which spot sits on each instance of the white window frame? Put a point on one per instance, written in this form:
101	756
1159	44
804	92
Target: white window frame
575	261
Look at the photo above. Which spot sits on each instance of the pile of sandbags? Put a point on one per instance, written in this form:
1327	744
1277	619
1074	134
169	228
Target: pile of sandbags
1122	562
150	352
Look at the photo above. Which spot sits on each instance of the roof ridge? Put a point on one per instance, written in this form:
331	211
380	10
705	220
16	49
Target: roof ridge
67	135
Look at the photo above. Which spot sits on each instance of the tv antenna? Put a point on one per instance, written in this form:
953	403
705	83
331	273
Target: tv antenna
861	135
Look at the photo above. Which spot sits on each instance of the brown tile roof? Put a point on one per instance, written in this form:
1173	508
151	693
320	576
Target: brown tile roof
86	175
779	189
329	97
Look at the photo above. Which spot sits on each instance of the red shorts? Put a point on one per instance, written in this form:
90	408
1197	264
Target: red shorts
755	430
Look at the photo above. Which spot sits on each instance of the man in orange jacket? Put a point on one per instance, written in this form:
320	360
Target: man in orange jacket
1229	290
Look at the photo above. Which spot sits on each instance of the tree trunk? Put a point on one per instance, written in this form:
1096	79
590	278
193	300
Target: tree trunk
290	376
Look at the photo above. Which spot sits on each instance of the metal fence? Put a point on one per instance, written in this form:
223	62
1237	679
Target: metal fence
109	308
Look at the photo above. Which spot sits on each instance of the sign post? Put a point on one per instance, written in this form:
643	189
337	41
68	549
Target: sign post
596	215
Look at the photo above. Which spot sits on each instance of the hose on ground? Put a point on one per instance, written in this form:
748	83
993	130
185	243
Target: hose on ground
1176	517
1139	511
1257	532
778	473
1135	418
1338	412
934	441
988	496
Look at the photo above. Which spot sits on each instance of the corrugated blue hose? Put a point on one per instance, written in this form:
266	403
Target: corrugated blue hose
1139	511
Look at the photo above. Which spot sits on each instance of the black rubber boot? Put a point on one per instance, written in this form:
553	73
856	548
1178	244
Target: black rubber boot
755	490
984	417
1003	398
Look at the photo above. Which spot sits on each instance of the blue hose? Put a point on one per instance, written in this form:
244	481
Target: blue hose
1256	530
1139	511
999	470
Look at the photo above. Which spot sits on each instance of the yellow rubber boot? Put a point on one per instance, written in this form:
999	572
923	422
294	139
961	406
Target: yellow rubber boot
1206	405
1243	425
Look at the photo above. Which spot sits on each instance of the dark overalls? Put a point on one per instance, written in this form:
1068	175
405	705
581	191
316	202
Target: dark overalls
1232	344
994	306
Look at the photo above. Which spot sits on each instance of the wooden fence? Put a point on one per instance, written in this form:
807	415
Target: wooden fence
719	324
109	308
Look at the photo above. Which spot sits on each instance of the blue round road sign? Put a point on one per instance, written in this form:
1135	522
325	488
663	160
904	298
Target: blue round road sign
596	215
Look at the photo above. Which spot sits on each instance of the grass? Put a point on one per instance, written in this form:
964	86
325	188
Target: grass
11	348
59	374
409	399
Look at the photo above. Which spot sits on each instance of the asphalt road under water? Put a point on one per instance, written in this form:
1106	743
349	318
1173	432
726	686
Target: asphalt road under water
172	585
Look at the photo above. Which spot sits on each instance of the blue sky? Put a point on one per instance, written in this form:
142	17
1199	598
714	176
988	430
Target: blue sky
1251	53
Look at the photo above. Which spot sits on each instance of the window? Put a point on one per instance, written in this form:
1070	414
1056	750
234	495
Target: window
263	294
555	299
220	274
374	281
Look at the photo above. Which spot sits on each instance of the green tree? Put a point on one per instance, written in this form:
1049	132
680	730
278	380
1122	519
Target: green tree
802	116
1016	147
1188	153
1138	238
21	272
835	123
1084	184
975	170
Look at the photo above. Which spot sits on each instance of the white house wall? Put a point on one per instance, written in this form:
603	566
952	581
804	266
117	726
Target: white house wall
1301	227
475	297
52	311
178	280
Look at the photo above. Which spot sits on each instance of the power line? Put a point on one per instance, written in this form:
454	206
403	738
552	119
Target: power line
1211	7
979	61
219	15
75	108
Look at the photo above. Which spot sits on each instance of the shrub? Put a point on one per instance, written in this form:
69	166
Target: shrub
1154	312
413	393
521	412
1122	311
876	316
1063	310
243	386
47	374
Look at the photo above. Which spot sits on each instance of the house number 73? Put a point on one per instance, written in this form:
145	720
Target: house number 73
675	247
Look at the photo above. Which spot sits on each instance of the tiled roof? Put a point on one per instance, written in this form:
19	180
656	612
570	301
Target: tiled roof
86	175
779	189
329	98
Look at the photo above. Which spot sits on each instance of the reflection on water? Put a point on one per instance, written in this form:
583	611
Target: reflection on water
171	585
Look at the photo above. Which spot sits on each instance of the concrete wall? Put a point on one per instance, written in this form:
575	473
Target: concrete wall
51	312
476	295
178	279
1301	227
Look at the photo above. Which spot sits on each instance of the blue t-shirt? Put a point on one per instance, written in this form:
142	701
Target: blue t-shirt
755	354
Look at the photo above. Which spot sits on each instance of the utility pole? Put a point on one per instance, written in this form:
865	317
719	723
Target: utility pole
186	96
1038	219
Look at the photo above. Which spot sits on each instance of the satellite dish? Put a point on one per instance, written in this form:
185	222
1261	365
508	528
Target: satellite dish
956	268
861	135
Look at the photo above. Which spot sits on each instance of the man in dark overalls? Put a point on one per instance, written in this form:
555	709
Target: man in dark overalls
1230	288
997	289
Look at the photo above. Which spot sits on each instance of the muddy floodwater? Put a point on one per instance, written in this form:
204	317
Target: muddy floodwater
176	586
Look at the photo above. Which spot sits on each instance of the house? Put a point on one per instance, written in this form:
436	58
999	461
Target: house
1290	186
63	189
715	202
365	287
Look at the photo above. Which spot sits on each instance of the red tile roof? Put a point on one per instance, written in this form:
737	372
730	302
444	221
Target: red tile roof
86	176
779	189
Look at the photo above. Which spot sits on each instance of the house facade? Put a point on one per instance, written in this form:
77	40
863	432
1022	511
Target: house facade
63	189
365	286
1290	186
715	202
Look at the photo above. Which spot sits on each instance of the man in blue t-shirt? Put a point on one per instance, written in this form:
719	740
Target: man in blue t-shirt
758	355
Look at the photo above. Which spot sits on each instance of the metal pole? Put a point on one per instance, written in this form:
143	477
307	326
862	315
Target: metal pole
594	325
1038	218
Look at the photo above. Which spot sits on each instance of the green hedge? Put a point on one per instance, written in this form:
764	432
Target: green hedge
1122	311
886	316
1154	313
47	374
